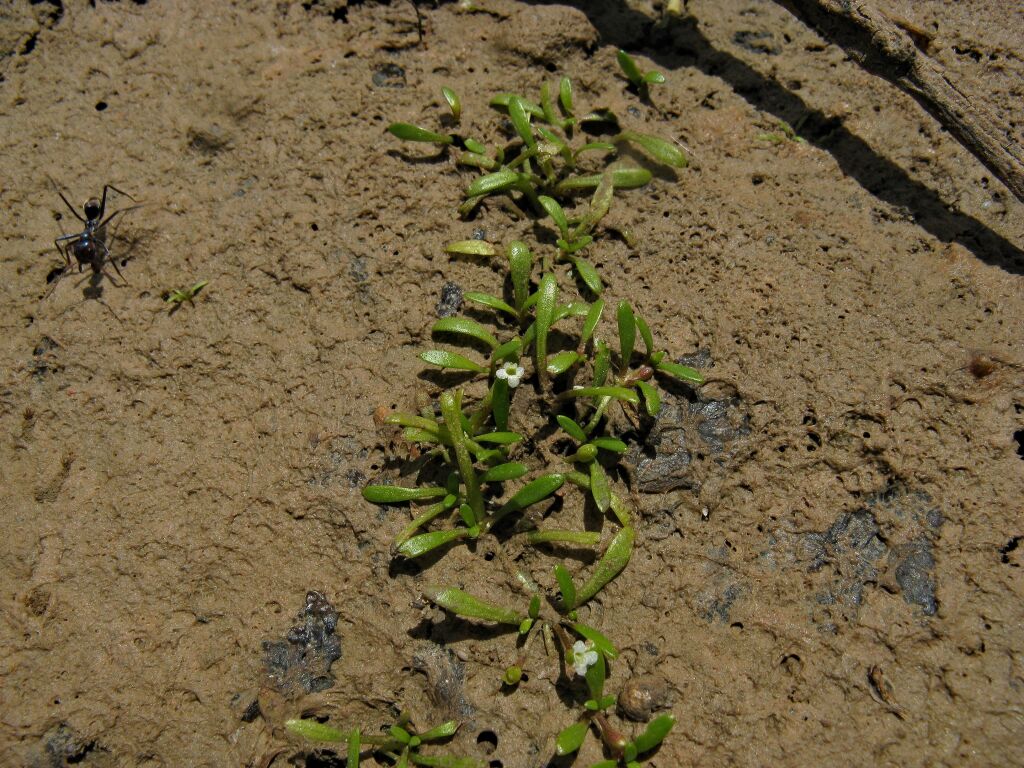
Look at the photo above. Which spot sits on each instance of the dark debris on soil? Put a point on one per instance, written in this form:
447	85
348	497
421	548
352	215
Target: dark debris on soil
301	663
888	543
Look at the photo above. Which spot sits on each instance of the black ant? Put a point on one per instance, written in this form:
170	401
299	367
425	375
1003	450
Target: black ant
89	247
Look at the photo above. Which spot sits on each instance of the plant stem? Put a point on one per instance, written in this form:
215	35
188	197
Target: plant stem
452	412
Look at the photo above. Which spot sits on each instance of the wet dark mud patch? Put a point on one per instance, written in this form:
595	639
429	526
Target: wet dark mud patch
301	662
61	747
888	544
693	438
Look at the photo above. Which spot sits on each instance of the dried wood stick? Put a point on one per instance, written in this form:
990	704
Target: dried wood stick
886	50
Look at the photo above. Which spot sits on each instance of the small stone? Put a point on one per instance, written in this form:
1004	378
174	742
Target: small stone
642	696
451	300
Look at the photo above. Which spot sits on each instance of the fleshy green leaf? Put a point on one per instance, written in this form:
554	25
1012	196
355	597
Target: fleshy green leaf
654	77
425	517
593	318
619	393
409	420
454	103
645	334
602	362
629	67
652	400
464	604
574	309
427	542
560	363
659	149
499	438
547	293
498	181
554	210
684	372
610	444
451	410
463	326
408	132
571	738
627	332
622	178
596	146
585	453
621	511
442	731
608	567
520	262
508	352
588	275
521	121
655	733
565	94
601	643
444	359
500	403
476	160
470	248
599	487
546	104
489	301
504	472
566	587
630	178
572	428
534	491
314	731
535	606
393	494
503	100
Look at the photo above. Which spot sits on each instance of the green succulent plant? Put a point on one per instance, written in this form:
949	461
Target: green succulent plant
542	344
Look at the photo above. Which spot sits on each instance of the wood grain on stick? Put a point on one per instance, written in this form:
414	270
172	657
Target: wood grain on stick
884	49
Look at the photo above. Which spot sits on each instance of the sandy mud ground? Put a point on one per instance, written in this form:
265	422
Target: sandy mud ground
828	568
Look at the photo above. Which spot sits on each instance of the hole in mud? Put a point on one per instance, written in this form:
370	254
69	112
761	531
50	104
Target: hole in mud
495	764
737	625
488	740
314	227
757	179
101	106
1019	437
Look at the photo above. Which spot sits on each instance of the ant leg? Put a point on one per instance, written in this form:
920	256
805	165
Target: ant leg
69	205
103	200
111	216
62	251
113	263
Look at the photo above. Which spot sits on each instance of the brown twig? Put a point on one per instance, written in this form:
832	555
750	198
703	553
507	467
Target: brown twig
887	50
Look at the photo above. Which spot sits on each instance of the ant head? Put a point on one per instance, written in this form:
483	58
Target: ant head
92	208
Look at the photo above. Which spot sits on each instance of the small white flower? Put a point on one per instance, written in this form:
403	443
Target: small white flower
512	373
583	656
